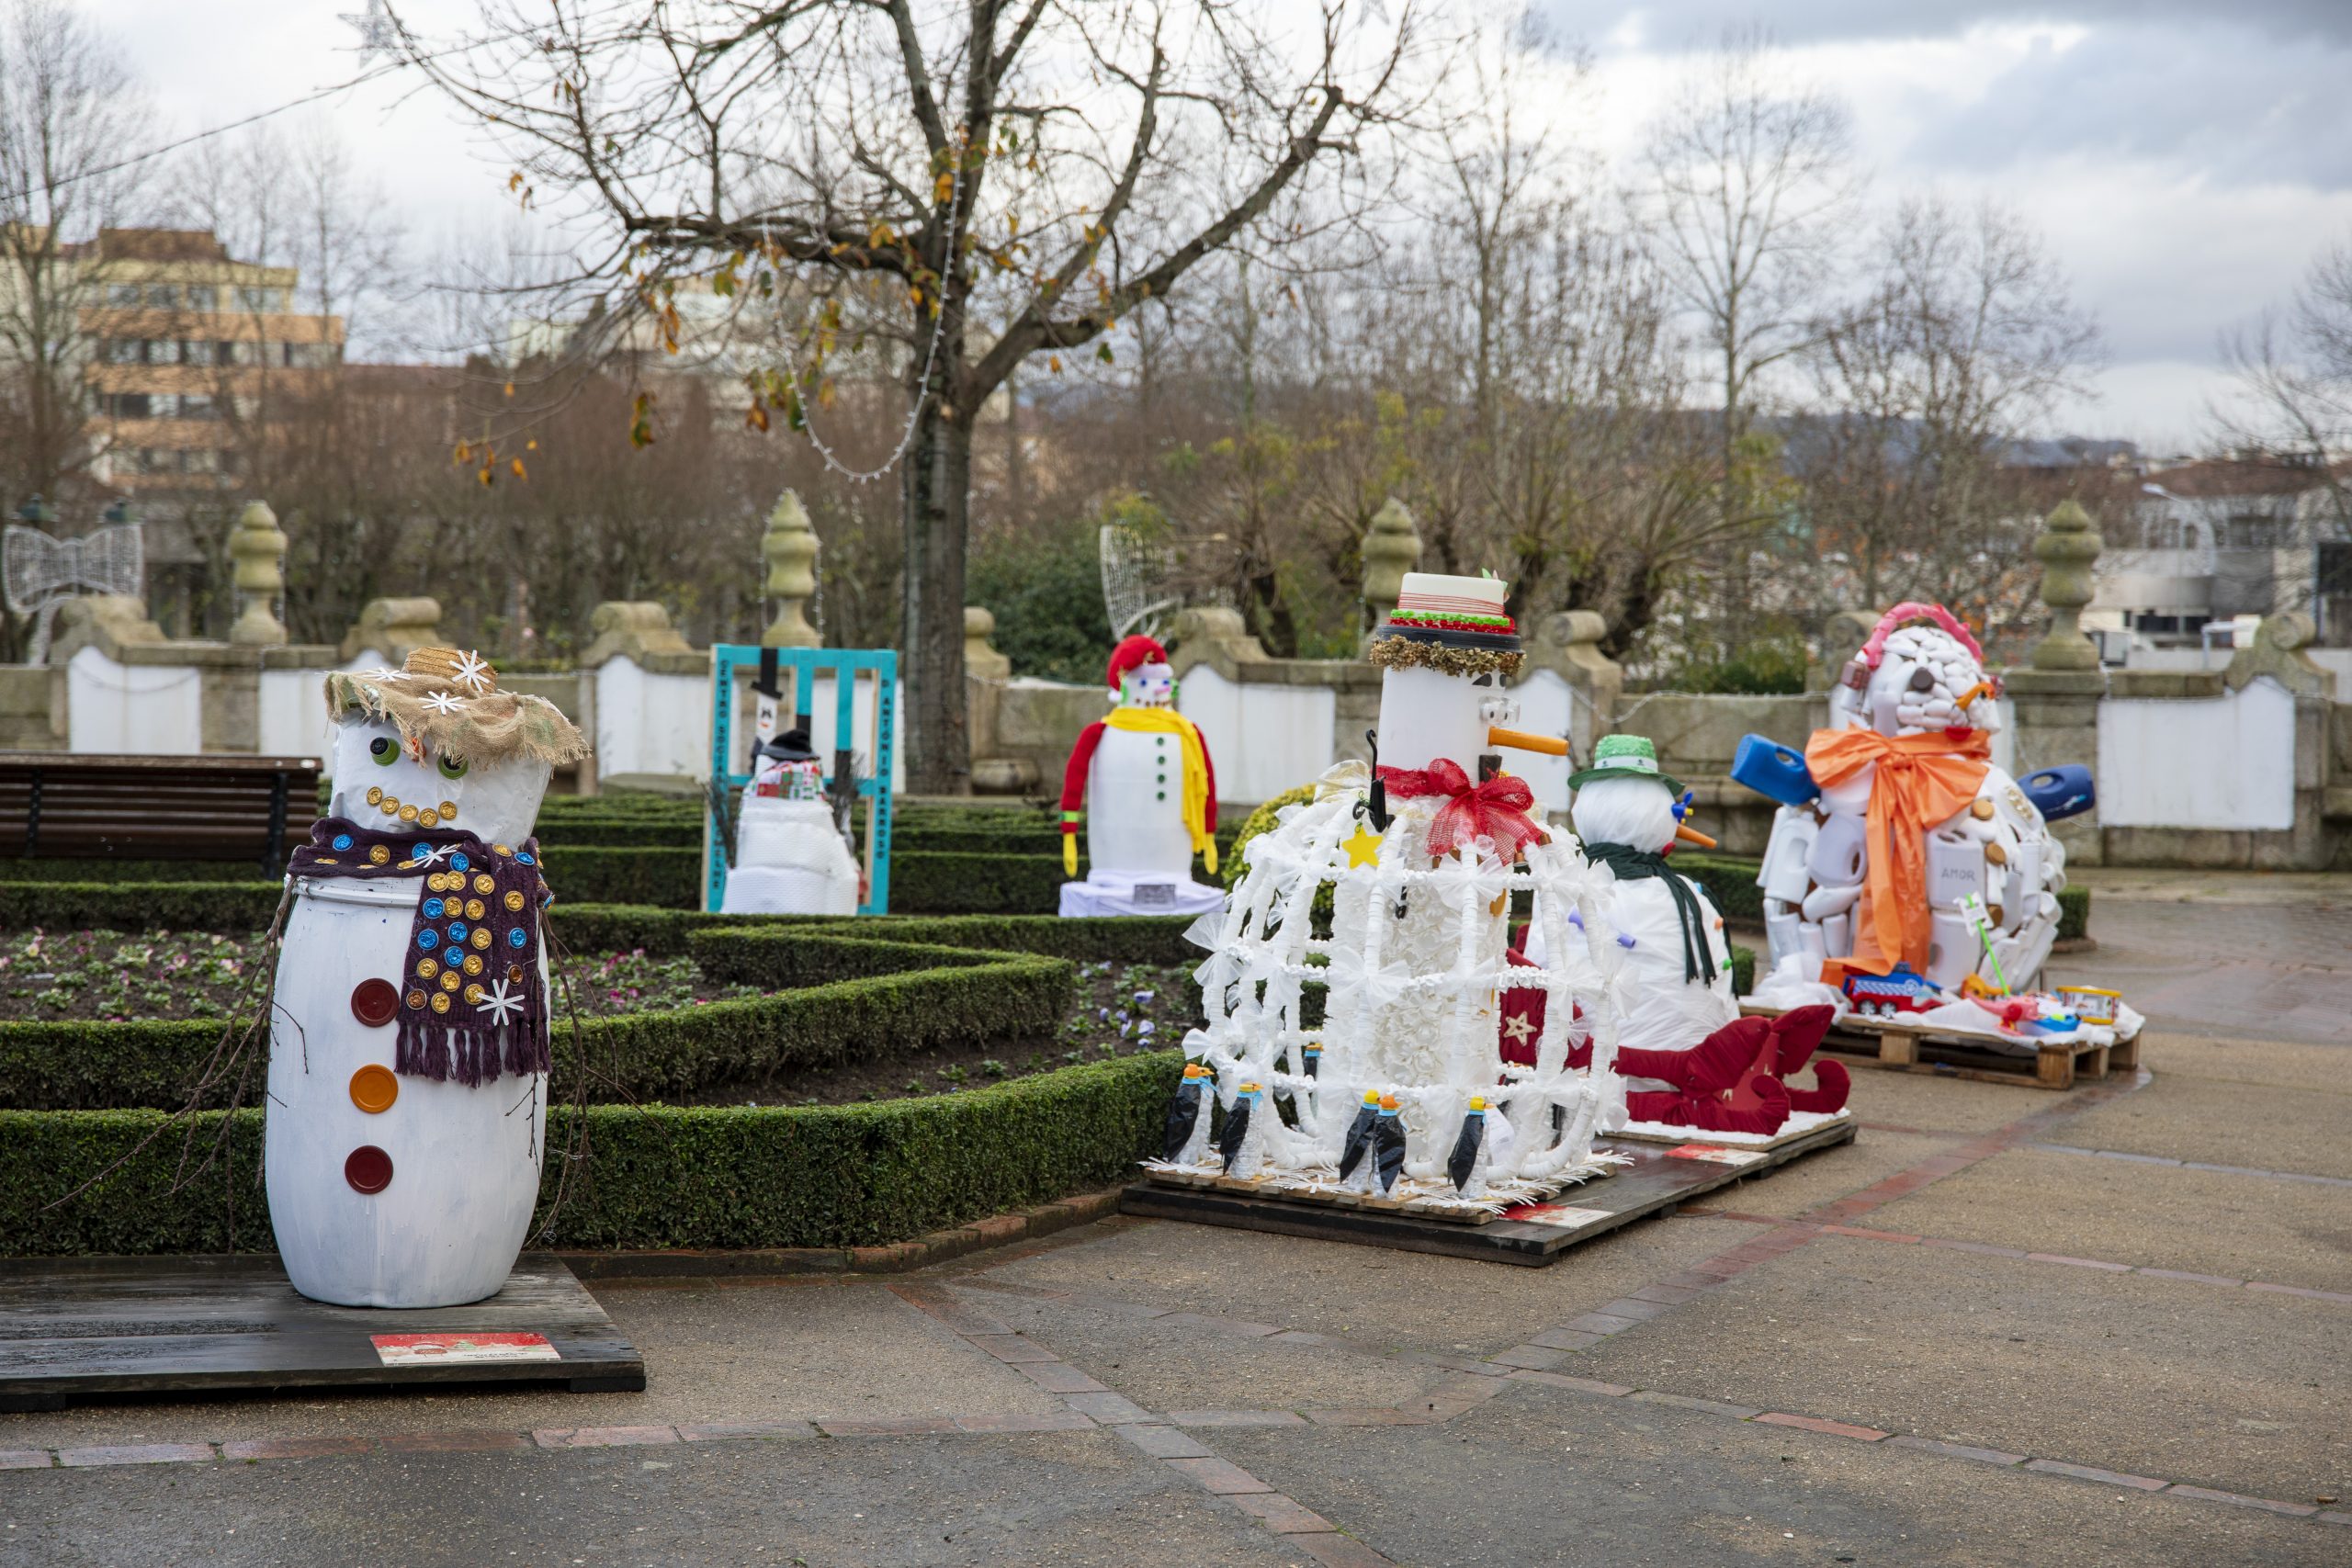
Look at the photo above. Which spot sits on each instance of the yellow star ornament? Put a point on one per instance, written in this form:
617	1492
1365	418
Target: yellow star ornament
1362	847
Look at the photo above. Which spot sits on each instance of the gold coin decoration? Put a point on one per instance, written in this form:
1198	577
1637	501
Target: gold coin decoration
408	813
449	811
389	805
375	794
502	849
480	937
427	967
475	908
440	1001
473	964
514	973
514	900
475	993
377	854
416	998
451	979
485	885
428	817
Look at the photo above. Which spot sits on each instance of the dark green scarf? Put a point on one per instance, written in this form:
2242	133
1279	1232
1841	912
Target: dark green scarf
1632	865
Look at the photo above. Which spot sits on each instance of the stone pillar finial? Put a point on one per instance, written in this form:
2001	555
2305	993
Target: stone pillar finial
258	549
2067	547
982	661
789	546
1392	547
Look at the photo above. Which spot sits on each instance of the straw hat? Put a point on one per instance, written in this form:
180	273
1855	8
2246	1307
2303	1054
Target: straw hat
449	701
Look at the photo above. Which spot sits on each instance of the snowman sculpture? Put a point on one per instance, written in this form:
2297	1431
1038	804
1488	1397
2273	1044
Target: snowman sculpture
791	849
408	1045
1398	1091
1146	771
1900	851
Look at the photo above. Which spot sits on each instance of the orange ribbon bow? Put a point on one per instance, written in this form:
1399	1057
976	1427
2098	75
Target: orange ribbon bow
1921	780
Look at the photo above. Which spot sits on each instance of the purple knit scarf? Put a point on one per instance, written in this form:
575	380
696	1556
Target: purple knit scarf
470	994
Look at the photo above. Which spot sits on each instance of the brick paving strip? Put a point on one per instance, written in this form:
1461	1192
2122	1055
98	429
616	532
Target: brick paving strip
1991	1249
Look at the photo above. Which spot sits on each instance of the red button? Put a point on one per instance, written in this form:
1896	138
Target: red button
368	1169
375	1002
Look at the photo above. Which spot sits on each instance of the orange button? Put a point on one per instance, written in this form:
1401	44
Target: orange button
373	1089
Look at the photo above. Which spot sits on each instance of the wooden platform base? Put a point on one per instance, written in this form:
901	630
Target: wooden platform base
1912	1048
89	1331
1532	1235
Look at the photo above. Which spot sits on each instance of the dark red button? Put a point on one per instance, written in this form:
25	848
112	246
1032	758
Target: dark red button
368	1169
375	1002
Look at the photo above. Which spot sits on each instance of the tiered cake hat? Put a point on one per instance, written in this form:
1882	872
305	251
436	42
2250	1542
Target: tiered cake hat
1455	625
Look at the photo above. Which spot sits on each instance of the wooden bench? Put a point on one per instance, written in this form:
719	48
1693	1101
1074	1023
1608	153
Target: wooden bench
56	805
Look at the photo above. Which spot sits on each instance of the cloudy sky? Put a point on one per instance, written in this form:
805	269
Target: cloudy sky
2184	158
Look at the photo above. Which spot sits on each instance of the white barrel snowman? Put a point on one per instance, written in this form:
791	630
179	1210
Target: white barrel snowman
1142	780
408	1063
790	854
1901	850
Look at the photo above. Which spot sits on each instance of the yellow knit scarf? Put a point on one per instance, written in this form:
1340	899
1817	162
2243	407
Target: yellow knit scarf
1168	721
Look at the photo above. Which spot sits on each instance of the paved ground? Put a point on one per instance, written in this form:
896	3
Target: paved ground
2002	1327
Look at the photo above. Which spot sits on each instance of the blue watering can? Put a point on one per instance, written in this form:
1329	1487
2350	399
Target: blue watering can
1773	770
2063	791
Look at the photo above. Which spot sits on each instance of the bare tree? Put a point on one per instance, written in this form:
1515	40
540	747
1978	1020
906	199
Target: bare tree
1747	183
69	112
2295	369
1964	341
1021	177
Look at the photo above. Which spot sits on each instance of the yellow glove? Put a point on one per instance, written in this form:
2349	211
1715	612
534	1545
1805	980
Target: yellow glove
1069	855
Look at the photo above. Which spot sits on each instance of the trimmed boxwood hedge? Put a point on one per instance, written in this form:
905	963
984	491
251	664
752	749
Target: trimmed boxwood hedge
898	997
232	908
653	1176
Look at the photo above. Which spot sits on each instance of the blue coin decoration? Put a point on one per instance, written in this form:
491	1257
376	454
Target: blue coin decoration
456	931
342	840
428	937
457	863
516	937
525	856
433	909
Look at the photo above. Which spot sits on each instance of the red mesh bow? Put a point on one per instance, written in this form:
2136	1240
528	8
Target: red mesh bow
1496	810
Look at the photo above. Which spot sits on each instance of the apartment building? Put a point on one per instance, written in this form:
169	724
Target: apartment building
191	357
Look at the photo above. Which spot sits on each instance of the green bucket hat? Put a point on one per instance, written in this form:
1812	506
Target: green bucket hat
1618	755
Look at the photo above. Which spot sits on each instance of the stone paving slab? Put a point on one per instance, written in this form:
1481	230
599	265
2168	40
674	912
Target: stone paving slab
2234	1059
1628	1485
1075	1499
1918	1102
2271	1127
2150	1215
1434	1303
1832	1173
714	1353
2218	1388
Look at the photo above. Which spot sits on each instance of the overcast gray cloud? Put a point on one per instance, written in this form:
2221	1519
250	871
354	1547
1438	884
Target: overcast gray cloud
1684	24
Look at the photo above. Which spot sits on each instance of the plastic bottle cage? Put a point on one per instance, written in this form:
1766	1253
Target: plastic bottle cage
729	742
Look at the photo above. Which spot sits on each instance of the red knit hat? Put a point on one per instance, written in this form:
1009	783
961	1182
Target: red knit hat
1131	652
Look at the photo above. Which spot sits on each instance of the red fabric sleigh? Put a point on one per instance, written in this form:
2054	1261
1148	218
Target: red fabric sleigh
1729	1082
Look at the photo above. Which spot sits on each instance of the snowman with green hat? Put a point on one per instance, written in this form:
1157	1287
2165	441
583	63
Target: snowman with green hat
1628	813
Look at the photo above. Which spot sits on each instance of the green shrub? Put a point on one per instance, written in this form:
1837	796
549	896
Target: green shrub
671	877
231	907
109	869
922	883
2073	913
1045	588
1730	882
652	1177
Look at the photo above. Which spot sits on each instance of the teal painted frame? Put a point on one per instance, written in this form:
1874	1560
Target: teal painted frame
806	664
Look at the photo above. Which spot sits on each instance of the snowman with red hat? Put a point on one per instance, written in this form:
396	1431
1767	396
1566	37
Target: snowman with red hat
1141	779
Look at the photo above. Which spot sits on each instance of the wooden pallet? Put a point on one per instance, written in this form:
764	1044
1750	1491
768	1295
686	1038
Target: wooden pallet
1532	1235
90	1331
1908	1047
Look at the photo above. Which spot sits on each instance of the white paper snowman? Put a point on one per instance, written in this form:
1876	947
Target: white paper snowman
387	1188
1920	678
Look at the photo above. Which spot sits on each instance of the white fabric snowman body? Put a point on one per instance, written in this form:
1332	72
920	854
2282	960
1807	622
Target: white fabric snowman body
394	1190
790	858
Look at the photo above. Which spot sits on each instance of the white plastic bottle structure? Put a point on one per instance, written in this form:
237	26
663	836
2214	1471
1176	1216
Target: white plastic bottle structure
407	1108
1142	779
1421	856
1674	941
1917	697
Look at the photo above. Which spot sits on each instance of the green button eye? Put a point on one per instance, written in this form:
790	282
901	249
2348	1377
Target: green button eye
385	749
451	768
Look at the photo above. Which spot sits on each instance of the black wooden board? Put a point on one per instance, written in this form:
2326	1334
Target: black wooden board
1657	1180
88	1331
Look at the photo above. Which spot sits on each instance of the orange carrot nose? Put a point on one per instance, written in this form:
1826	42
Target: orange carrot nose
1686	834
1519	740
1982	688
